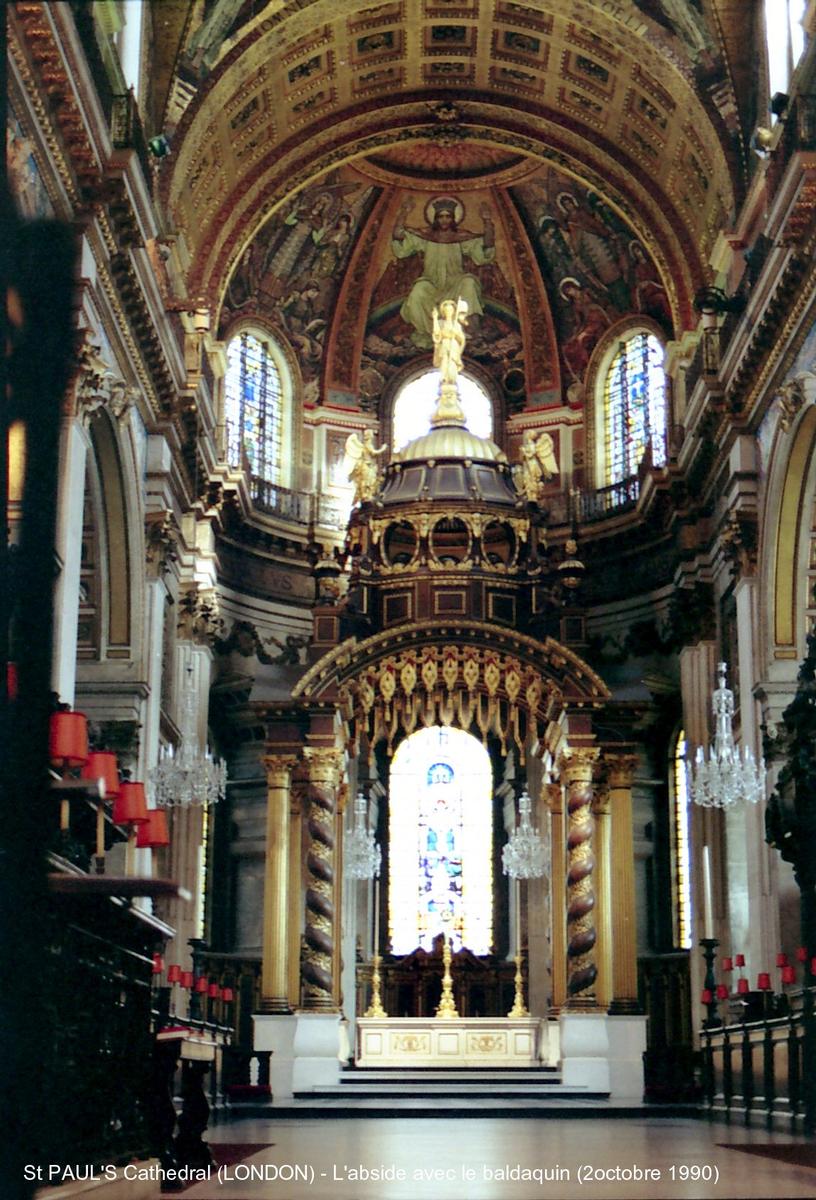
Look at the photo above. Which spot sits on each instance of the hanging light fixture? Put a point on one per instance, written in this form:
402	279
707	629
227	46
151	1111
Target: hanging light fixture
524	856
726	777
361	854
188	778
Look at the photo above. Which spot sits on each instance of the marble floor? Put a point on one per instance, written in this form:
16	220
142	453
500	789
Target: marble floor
342	1158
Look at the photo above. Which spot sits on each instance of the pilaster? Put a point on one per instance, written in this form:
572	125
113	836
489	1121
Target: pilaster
620	773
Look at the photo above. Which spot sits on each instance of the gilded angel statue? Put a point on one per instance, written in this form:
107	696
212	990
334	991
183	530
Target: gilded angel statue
538	464
361	465
449	337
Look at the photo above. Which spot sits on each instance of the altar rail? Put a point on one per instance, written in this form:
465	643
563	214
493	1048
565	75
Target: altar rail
765	1068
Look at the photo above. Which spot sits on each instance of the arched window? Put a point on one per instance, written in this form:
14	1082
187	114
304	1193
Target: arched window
680	849
440	838
416	401
634	405
255	406
785	40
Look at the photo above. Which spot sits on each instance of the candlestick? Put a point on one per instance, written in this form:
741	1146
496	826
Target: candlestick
376	914
518	916
708	918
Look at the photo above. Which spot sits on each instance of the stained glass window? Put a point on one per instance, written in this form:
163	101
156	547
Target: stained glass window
416	402
254	408
440	842
634	403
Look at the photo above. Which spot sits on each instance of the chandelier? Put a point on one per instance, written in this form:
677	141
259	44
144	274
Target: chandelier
523	856
188	779
726	778
361	854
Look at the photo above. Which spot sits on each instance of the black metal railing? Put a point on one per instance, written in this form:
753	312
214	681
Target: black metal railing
127	131
764	1068
302	508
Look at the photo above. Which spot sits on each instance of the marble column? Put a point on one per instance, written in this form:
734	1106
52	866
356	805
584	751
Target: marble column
275	968
577	766
624	994
320	969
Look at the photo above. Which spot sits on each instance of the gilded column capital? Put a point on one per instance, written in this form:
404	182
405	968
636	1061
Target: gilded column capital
601	802
278	768
577	763
325	765
620	769
553	795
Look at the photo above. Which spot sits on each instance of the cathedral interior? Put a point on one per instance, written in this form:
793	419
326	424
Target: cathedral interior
408	408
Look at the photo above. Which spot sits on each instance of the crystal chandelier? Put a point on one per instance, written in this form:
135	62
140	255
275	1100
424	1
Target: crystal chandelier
361	854
188	778
523	856
726	778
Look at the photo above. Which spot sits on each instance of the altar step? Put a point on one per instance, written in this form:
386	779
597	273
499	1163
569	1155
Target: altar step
431	1081
432	1084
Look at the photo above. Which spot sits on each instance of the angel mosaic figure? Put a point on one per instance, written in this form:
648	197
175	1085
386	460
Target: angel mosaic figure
538	464
361	465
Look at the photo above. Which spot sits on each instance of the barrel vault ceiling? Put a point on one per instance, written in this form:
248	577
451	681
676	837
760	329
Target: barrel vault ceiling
629	102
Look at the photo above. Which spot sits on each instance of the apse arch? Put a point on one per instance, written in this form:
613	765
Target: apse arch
301	164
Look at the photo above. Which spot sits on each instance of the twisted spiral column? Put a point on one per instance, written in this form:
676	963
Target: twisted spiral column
319	966
577	766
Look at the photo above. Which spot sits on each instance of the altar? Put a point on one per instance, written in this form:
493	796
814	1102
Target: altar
462	1042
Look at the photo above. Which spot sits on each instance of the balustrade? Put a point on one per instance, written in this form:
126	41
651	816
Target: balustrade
765	1067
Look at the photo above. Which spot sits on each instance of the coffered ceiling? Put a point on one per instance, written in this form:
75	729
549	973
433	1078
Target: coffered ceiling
630	99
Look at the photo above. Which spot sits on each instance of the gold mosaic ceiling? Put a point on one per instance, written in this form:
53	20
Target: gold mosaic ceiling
632	106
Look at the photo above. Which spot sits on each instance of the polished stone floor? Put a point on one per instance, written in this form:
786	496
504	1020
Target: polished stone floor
342	1158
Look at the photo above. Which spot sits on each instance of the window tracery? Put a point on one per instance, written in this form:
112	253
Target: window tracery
634	405
254	407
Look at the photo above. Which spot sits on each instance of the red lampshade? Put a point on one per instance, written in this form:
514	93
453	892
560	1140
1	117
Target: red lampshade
186	979
130	807
11	680
802	954
788	974
68	739
228	995
213	990
739	960
728	964
743	987
781	960
707	996
202	984
174	973
764	981
102	765
153	833
722	991
158	964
